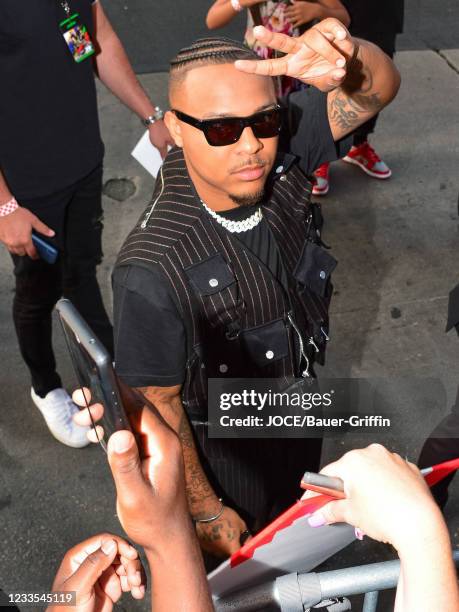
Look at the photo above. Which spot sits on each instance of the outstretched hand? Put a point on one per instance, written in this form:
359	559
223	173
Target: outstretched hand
319	57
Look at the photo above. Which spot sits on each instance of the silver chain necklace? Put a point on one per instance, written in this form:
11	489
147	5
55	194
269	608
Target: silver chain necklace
236	227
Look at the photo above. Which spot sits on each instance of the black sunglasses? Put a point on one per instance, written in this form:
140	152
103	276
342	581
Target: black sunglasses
228	130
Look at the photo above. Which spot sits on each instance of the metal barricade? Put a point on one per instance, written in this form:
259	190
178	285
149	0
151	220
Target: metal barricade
299	592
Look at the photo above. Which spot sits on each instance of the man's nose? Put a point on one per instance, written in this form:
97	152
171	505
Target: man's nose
248	142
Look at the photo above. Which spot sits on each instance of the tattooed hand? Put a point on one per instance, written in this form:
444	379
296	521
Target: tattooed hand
221	538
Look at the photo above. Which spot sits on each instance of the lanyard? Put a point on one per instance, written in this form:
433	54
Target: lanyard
65	5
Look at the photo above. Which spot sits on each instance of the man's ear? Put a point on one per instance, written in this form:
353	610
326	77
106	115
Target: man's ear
173	125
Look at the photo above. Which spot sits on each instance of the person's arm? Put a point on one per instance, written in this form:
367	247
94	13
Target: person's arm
222	12
115	71
389	500
16	226
220	537
301	12
151	506
360	78
371	83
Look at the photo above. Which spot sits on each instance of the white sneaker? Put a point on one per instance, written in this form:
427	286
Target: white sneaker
57	409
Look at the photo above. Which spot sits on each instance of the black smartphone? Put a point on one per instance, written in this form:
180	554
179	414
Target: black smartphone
46	251
94	370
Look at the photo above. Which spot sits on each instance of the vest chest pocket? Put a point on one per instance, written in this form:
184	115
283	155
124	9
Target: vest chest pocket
266	343
215	284
314	268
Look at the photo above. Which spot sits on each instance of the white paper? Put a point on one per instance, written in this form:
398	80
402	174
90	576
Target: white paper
297	548
148	155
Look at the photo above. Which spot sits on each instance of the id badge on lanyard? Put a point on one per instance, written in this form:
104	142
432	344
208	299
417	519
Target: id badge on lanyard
75	35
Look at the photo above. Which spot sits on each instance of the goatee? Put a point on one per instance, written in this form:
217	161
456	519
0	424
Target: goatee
249	199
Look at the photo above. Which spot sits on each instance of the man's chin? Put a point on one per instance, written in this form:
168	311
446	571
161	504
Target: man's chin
248	199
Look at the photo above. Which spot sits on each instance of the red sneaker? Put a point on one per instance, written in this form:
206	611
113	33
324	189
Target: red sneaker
321	183
366	158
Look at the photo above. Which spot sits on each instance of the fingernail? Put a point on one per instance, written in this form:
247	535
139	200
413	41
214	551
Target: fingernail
359	534
108	546
121	441
340	62
317	520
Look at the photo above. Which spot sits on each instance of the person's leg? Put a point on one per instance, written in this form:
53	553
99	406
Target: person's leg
295	456
362	153
83	253
38	287
442	445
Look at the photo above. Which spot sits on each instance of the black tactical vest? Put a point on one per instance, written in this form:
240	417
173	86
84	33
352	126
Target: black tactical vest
240	321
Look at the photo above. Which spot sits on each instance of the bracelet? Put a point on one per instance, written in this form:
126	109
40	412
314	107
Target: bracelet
212	518
158	115
9	207
237	6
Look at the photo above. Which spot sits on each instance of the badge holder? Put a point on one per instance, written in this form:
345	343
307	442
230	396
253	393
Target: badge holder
77	38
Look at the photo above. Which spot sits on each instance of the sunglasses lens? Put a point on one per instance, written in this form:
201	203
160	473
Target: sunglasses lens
221	133
268	124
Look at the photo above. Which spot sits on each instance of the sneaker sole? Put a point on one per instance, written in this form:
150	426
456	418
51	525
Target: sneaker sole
382	177
66	442
320	192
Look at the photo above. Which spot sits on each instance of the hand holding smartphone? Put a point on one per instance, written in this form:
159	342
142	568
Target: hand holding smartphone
94	370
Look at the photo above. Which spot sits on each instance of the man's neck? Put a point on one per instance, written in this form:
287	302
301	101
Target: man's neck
214	198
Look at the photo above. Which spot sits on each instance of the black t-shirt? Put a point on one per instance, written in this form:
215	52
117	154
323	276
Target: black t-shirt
49	128
150	337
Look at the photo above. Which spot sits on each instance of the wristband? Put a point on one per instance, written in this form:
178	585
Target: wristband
157	116
9	207
211	518
237	6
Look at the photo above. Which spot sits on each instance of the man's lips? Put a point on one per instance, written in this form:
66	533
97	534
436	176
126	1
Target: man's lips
250	173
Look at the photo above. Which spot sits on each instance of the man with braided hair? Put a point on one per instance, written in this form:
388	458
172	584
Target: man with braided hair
225	274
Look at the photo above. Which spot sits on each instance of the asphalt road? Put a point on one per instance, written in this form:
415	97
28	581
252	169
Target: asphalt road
154	30
397	244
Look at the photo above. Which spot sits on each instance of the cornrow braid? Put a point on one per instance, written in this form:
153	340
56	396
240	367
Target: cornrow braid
210	50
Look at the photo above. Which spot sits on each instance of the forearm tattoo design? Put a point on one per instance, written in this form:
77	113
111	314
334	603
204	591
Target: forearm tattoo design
349	104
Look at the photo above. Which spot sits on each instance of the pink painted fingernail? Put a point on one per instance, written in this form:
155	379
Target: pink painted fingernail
317	520
359	534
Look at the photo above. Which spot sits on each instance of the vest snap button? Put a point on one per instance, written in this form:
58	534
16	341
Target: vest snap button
323	275
223	368
283	178
269	354
279	169
213	282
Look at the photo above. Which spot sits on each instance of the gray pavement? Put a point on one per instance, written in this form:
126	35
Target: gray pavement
397	244
153	34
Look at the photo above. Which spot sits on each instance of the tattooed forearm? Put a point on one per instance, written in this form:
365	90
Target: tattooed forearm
348	112
370	84
202	500
199	491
